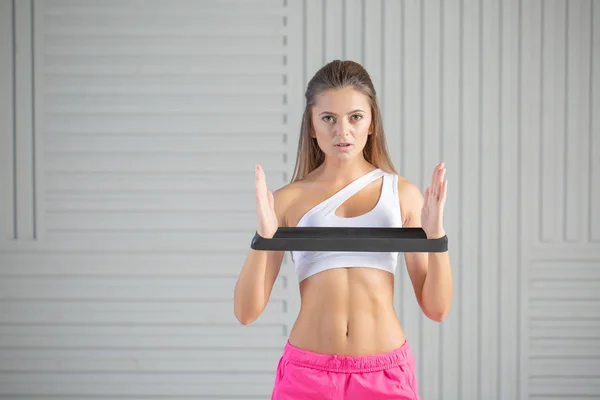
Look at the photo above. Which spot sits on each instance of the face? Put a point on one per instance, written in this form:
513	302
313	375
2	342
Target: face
342	123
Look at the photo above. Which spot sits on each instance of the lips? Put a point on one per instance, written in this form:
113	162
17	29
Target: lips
343	145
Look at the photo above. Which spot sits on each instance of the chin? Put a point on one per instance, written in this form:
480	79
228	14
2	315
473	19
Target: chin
343	156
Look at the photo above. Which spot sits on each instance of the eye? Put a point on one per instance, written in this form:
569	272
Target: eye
357	117
325	118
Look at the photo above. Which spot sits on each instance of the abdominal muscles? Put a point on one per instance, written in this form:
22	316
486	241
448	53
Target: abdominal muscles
348	311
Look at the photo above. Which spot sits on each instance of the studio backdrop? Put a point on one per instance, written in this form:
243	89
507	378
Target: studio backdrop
129	131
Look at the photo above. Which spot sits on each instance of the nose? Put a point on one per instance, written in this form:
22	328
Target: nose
343	128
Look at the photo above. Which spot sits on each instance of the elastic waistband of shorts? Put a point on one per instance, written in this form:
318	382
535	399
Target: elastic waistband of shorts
348	364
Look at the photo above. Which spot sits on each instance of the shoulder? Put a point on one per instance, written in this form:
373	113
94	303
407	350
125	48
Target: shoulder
410	197
408	191
285	198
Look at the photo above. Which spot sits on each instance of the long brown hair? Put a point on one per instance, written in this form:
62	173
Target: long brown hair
340	74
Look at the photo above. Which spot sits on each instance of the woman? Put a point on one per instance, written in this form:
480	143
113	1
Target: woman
347	342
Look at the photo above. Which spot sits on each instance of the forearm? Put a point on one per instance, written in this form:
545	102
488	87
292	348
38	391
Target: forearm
437	288
249	295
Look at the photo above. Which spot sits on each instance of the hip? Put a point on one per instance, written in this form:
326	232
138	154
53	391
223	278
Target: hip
305	374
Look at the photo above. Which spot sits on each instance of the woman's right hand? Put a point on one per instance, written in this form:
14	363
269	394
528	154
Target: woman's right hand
266	219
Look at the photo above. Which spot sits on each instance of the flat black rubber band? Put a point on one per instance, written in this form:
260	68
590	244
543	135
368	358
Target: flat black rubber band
406	240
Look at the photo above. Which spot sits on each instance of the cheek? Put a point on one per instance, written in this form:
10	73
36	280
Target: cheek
322	131
323	140
363	128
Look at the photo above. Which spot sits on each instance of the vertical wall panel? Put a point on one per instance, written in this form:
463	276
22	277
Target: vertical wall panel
314	48
24	121
7	203
553	116
489	261
374	41
593	184
585	55
353	15
529	139
470	193
390	81
509	373
41	118
577	122
334	29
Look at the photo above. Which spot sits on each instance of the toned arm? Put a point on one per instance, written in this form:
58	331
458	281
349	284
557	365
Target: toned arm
430	273
259	272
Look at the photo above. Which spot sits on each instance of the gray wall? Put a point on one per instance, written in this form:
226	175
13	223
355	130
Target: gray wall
128	135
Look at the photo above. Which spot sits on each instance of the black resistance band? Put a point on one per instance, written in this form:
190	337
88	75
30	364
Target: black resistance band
405	240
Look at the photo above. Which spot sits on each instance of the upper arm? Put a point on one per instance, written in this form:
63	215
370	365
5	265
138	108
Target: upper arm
411	204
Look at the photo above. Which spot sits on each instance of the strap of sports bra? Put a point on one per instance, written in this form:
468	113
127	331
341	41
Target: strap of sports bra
351	189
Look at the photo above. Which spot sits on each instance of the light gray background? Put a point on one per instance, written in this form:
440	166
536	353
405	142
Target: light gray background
128	135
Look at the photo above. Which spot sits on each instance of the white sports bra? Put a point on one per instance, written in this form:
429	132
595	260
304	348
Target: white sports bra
385	214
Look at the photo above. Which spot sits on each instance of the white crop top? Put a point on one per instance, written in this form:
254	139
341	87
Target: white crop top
385	214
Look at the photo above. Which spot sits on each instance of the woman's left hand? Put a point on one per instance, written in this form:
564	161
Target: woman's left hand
432	214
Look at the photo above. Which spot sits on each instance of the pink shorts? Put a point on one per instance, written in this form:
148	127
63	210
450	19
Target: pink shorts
305	375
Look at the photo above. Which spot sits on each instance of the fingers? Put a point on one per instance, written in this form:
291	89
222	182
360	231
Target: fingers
441	182
437	182
261	186
434	175
444	192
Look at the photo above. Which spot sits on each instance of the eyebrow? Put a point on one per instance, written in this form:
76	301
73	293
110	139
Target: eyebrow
351	112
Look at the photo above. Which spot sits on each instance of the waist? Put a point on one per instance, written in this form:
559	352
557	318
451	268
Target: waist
353	336
348	311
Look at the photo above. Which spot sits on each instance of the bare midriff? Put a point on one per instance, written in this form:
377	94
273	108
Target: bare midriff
348	312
